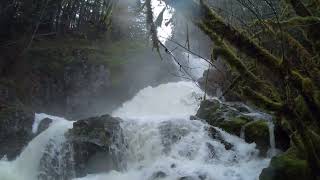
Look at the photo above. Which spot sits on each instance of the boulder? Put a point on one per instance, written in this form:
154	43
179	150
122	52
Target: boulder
258	132
233	118
227	117
15	130
93	145
234	125
94	141
287	166
43	125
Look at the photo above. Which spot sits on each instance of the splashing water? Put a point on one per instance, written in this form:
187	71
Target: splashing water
161	142
26	166
164	144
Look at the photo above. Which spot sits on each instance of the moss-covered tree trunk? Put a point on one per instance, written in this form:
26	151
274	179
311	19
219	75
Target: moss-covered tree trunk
301	107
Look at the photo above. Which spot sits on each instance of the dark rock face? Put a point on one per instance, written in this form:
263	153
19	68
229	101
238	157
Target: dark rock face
15	130
93	145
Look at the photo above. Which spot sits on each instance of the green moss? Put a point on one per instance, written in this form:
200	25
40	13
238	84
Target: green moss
258	132
287	166
233	125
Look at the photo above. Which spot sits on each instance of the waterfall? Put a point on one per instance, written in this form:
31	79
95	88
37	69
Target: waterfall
26	166
163	143
242	132
272	150
159	141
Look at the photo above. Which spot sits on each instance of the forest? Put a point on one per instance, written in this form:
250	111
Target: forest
69	57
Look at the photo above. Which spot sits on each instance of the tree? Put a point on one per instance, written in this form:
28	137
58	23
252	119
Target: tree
282	78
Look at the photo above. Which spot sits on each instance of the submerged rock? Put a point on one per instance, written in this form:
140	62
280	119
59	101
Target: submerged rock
15	130
287	166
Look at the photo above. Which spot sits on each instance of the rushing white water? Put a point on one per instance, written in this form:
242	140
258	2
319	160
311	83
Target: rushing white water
26	166
161	142
272	150
167	145
172	99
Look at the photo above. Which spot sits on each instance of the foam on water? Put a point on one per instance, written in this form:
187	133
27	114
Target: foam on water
163	142
171	99
26	166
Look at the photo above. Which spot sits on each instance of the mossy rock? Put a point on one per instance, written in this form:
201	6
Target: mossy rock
233	125
215	112
208	109
258	132
287	166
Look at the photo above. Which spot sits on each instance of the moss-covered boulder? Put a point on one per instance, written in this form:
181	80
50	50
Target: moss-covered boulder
288	166
258	132
227	117
235	119
214	111
15	130
233	125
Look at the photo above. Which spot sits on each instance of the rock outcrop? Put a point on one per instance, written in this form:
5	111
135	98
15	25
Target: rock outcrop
93	145
15	130
237	119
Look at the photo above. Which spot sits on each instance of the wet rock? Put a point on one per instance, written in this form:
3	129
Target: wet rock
233	125
44	124
215	134
15	130
188	178
94	141
93	145
194	118
258	132
223	115
232	118
158	175
287	166
212	152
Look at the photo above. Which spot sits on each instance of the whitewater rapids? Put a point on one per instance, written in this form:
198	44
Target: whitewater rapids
162	143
